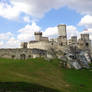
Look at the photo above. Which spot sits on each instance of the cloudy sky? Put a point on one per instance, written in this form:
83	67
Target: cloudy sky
19	19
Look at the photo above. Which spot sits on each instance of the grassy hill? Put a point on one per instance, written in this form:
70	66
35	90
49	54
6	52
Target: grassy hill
39	75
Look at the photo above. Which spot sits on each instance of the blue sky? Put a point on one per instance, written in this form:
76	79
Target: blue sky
61	16
19	19
52	18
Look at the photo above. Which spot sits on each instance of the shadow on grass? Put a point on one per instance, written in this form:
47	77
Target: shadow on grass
24	87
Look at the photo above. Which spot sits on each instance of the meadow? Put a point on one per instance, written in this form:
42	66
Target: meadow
39	75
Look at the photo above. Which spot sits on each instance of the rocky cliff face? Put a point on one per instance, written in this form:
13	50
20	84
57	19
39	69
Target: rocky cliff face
71	56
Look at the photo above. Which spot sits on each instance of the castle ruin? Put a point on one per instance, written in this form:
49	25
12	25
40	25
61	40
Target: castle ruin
72	50
44	43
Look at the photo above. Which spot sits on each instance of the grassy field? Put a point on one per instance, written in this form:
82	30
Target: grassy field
39	75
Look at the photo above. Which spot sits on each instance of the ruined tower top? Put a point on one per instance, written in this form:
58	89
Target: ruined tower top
62	30
62	39
38	33
38	36
85	36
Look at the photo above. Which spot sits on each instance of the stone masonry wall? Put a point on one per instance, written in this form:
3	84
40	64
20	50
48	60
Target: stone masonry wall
21	53
40	45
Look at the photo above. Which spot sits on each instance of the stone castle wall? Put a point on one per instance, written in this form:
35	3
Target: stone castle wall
40	45
22	53
84	42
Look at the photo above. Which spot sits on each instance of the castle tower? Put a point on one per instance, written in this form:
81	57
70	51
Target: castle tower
84	42
62	39
38	36
85	36
62	30
73	40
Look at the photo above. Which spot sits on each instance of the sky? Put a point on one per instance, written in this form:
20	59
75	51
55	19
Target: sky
19	19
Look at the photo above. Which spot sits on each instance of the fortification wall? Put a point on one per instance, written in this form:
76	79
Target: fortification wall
40	45
22	53
44	39
15	53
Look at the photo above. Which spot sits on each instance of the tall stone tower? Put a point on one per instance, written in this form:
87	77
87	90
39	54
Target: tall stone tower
62	39
62	30
38	36
84	42
85	36
73	41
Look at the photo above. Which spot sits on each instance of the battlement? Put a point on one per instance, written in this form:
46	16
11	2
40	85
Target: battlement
84	42
73	40
38	33
85	36
38	37
61	25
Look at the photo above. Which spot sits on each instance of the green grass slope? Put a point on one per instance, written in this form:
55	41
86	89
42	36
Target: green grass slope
44	76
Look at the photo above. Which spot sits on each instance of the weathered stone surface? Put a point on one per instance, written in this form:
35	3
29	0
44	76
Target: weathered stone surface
77	59
22	53
75	54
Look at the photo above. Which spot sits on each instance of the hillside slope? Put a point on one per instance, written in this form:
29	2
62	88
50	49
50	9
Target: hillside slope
43	75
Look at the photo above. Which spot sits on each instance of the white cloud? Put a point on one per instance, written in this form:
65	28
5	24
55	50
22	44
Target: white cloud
86	21
51	32
27	33
1	44
89	31
37	8
12	43
5	36
72	31
81	6
7	40
27	19
8	11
